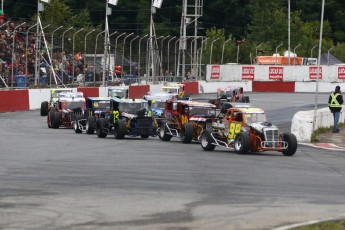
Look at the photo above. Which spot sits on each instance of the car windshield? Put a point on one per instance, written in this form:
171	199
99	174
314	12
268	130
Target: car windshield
202	111
56	92
170	90
101	104
117	93
72	104
255	117
158	105
132	108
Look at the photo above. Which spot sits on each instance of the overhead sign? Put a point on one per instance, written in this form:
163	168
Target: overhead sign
276	73
248	73
47	1
113	2
157	3
215	72
313	72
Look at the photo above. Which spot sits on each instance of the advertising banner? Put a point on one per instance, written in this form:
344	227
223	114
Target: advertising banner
248	73
341	72
276	73
215	72
313	72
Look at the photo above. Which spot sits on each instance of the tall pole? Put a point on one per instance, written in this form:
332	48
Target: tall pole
223	49
63	39
328	54
161	56
94	57
319	65
289	30
202	45
51	55
175	61
13	54
169	53
212	48
26	48
139	55
294	51
311	51
116	47
148	52
277	53
85	39
130	54
73	56
106	40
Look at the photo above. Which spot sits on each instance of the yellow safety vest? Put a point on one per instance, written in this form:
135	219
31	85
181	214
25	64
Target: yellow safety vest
334	103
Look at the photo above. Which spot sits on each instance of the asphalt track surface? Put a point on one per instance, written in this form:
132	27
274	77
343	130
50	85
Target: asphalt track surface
57	179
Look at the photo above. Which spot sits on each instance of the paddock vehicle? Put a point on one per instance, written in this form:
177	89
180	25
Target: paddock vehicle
186	120
54	97
96	107
118	91
247	129
229	94
68	107
127	117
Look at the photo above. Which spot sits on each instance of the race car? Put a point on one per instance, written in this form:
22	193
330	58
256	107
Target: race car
127	117
54	97
247	129
68	107
176	90
229	94
96	107
118	91
186	120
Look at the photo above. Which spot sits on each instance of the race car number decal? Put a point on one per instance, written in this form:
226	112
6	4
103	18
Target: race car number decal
116	115
234	128
184	119
95	104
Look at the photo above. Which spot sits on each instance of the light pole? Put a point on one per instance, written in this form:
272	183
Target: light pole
192	56
94	57
115	50
148	54
169	53
294	51
201	53
123	51
110	72
277	53
26	48
311	51
139	66
7	23
63	40
73	56
161	62
51	55
328	54
256	49
175	67
223	49
130	54
87	34
13	54
212	48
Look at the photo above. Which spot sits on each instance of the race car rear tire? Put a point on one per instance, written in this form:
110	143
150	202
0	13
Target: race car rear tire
90	125
292	144
75	124
242	143
163	133
206	141
56	120
50	118
44	108
145	136
100	128
186	134
120	129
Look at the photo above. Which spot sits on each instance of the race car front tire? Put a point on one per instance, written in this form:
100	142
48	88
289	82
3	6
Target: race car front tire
56	120
44	108
50	118
90	125
100	128
206	141
292	144
163	133
242	143
187	133
76	125
120	129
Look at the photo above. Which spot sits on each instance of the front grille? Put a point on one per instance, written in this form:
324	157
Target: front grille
271	137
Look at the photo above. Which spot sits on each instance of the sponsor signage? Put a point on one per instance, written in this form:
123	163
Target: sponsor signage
341	72
313	72
248	73
215	72
276	73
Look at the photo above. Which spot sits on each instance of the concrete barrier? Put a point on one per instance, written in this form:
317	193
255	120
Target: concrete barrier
302	122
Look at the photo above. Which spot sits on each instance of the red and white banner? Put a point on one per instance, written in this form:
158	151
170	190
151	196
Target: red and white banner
248	73
313	72
215	72
276	73
341	72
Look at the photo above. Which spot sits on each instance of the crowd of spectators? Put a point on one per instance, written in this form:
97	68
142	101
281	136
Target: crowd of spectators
24	57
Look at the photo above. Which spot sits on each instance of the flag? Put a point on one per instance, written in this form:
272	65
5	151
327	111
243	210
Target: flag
47	1
113	2
157	3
